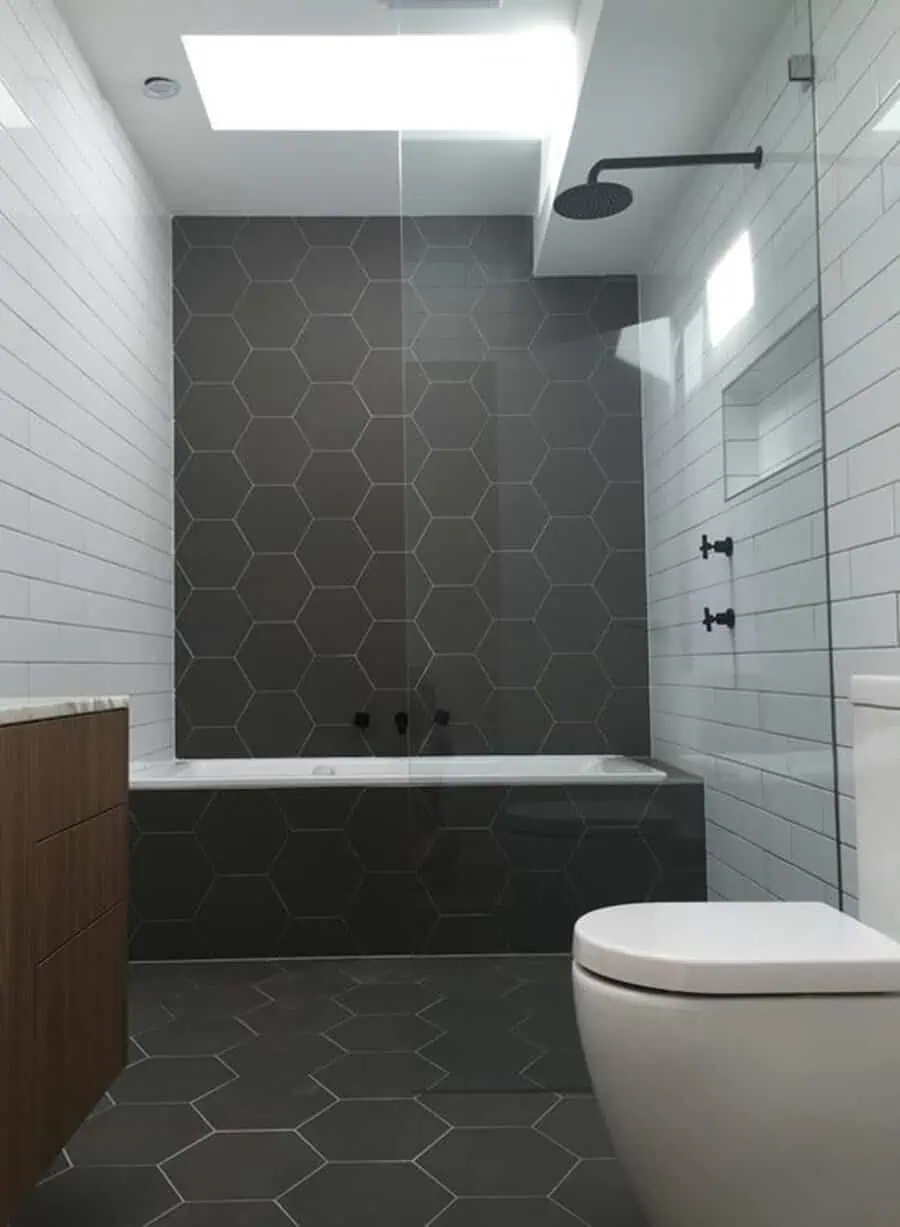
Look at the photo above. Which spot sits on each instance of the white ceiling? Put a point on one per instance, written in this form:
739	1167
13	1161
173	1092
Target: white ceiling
662	74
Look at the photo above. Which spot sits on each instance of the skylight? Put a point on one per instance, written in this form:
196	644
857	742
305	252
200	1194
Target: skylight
514	84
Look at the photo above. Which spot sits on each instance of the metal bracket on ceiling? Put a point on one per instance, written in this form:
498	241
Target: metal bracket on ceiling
802	68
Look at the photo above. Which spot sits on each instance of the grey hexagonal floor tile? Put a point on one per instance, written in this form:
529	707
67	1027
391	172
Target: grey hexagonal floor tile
389	998
489	1109
227	1214
577	1124
373	1130
600	1194
138	1134
238	1166
191	1037
283	1056
380	1075
258	1103
170	1080
384	1033
111	1196
340	1194
497	1163
505	1212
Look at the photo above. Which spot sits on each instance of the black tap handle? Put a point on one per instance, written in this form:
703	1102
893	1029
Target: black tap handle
442	718
401	720
727	618
362	720
724	546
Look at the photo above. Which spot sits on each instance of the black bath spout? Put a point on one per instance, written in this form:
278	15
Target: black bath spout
401	720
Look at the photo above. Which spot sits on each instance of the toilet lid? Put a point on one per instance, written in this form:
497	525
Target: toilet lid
737	949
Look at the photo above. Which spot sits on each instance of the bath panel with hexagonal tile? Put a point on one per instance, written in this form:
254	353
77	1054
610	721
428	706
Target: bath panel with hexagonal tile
409	478
323	1093
383	871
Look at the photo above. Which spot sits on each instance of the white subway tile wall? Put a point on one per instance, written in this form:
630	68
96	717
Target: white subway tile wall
750	711
857	45
86	603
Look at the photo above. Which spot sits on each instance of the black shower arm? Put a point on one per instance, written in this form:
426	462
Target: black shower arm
684	159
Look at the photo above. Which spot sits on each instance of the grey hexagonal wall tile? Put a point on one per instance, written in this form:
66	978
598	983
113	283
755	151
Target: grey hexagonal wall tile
331	348
450	347
271	248
453	619
574	688
274	587
457	684
334	553
213	553
330	231
567	347
449	280
213	622
378	247
383	517
571	550
381	449
211	281
333	484
573	619
569	414
212	417
465	871
394	654
511	517
392	585
316	872
515	722
452	551
514	653
570	483
214	692
451	415
212	349
271	315
334	689
380	382
444	231
274	519
513	584
618	385
213	485
205	231
618	448
452	483
623	653
330	280
621	584
332	416
613	866
274	656
334	621
273	451
274	725
510	382
510	449
615	305
503	245
620	516
509	314
272	382
222	832
379	314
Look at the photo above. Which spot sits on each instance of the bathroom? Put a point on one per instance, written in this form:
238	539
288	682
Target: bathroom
449	467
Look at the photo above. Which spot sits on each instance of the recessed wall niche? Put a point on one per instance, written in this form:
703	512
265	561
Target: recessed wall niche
771	414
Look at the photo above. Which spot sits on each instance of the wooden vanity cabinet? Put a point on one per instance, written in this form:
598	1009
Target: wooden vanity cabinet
63	933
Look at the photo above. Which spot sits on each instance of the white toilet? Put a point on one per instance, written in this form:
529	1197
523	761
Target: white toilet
747	1055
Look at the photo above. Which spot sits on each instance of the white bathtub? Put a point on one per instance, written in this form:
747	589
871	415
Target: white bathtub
546	769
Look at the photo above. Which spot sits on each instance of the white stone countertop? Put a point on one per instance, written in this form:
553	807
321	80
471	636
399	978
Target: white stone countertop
21	711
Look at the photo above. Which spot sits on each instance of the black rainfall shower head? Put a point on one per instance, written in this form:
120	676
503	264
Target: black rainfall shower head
594	200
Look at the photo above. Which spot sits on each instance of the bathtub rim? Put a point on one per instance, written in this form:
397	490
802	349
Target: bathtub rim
506	771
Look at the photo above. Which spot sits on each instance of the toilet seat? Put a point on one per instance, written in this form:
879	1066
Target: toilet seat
737	949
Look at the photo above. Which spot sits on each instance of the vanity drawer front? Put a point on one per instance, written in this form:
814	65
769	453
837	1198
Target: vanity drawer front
78	875
77	767
80	1029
